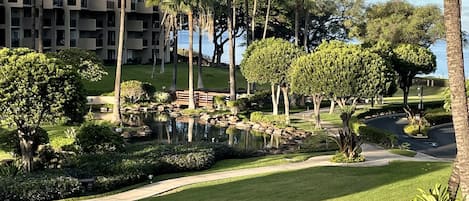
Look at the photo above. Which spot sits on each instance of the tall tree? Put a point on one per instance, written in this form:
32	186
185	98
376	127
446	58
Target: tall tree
460	173
298	6
267	14
40	40
116	112
34	89
200	82
409	61
232	70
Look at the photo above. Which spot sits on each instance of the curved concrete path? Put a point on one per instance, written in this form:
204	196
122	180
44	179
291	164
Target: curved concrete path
375	156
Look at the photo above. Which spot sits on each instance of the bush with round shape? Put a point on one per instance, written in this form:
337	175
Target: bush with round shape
133	91
99	139
162	97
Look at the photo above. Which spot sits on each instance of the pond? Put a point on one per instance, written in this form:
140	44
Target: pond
164	129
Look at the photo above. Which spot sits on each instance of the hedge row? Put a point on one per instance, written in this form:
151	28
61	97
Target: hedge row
111	171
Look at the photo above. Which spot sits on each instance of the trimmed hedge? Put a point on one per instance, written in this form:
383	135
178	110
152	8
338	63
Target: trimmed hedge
397	108
40	188
259	117
439	118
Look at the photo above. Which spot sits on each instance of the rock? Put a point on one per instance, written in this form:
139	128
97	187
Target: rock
256	126
223	123
212	121
269	131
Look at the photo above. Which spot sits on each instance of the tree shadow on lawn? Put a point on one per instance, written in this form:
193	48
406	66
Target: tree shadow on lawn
398	181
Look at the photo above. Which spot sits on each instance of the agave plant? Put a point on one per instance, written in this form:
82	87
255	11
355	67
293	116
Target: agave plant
348	143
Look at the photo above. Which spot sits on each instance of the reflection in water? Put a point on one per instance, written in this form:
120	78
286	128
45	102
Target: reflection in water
164	129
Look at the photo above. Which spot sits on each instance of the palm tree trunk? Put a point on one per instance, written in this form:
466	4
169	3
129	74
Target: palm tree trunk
120	49
162	49
40	45
175	56
266	19
297	21
459	108
33	33
232	53
305	39
191	67
200	83
253	20
274	100
248	37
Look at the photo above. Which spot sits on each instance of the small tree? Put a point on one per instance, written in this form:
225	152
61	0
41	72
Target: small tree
269	63
89	66
33	88
409	61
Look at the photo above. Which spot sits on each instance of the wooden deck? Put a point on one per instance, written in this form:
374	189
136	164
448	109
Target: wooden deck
201	98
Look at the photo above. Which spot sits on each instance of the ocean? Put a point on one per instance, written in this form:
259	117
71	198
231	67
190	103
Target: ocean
438	48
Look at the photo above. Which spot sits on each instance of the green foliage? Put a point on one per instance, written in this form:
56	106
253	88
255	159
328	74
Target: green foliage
438	116
403	152
437	193
413	129
376	135
341	158
162	97
413	59
99	139
11	169
318	143
219	102
269	57
400	22
447	97
259	117
10	141
349	145
134	91
87	64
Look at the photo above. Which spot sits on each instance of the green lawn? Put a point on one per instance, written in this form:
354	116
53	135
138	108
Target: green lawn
213	78
398	181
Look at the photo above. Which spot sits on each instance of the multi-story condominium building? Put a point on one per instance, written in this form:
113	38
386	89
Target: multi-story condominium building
87	24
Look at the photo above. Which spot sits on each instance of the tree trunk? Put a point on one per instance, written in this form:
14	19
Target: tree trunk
305	32
117	117
317	110
191	67
452	13
40	45
200	83
26	151
332	108
405	91
175	57
163	34
274	101
454	181
190	130
33	33
297	21
287	104
248	37
232	51
266	19
253	20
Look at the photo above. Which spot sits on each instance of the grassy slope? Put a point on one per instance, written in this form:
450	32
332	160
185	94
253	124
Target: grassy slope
398	181
213	78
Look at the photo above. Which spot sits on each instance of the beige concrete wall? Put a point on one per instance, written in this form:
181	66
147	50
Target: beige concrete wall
100	100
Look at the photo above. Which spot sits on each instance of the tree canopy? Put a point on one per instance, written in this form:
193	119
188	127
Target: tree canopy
400	22
35	88
89	66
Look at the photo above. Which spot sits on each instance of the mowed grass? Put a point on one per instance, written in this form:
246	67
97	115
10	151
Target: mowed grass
213	78
397	181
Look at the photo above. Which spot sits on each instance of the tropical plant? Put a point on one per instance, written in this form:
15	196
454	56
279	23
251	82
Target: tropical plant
116	111
88	65
437	193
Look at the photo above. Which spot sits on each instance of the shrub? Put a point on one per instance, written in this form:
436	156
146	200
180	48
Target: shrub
349	145
341	158
133	91
162	97
278	120
437	193
219	102
99	138
319	142
190	161
11	169
438	116
378	136
40	188
413	129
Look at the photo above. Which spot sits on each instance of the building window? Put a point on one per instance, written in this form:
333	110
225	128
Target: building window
2	38
111	21
111	38
15	38
111	54
72	2
27	33
60	40
2	15
60	18
27	12
13	1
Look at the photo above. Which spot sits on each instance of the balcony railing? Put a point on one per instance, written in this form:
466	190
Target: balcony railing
145	25
15	21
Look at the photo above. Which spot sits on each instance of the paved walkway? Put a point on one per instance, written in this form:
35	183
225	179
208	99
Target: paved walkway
375	156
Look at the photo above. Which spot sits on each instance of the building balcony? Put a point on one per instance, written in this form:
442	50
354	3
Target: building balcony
141	8
99	42
87	25
15	22
134	44
17	4
97	5
87	43
58	4
135	25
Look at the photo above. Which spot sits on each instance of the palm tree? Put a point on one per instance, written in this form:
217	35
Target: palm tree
298	6
231	18
266	19
40	46
460	174
117	117
190	16
200	83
